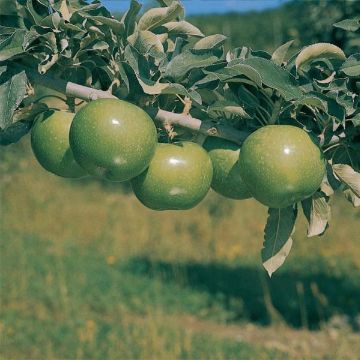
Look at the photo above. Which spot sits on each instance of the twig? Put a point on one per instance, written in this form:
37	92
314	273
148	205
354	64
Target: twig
165	117
50	96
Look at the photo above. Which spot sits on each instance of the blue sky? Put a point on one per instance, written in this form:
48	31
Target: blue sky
206	6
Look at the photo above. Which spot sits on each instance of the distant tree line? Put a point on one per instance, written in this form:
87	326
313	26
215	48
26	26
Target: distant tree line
305	21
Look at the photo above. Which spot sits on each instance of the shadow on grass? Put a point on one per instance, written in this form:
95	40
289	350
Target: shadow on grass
305	297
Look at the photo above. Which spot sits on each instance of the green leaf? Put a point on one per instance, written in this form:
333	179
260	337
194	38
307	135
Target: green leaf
182	28
210	42
80	5
318	51
29	112
129	18
177	48
10	14
47	64
247	98
3	69
232	71
318	213
348	176
22	122
39	40
324	103
116	26
349	24
123	76
207	81
77	31
64	10
152	88
147	43
36	10
132	58
351	67
228	107
12	92
280	53
181	90
346	100
179	66
155	88
277	240
329	183
347	155
356	119
156	17
313	101
351	196
53	21
14	132
12	45
274	76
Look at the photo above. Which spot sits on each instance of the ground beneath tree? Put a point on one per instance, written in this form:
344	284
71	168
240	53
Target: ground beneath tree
329	343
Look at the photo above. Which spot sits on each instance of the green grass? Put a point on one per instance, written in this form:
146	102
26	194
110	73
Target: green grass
77	305
87	272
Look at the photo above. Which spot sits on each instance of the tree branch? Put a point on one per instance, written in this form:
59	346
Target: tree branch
67	87
187	121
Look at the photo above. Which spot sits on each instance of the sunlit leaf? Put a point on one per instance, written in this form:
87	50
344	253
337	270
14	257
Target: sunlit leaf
186	61
147	43
129	18
318	213
349	24
277	239
230	108
12	45
156	17
182	28
274	76
210	42
232	71
280	53
348	176
64	10
351	67
352	197
12	92
317	51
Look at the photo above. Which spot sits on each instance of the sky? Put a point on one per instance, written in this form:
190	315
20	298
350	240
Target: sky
197	7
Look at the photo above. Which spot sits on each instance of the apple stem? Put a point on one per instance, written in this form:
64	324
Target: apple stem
206	128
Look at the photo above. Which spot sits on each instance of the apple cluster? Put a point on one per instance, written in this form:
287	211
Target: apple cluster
279	165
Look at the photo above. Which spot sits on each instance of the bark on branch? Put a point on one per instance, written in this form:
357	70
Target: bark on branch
165	117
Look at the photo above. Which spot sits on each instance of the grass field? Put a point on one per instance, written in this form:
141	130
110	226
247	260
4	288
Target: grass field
88	272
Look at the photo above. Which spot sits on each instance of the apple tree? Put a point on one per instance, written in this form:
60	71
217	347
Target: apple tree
147	94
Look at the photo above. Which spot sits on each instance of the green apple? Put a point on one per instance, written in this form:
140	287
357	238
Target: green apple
50	144
281	165
178	178
227	179
113	139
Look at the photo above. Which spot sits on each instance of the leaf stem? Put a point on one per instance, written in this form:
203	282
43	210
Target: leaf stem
261	118
50	96
331	147
348	153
